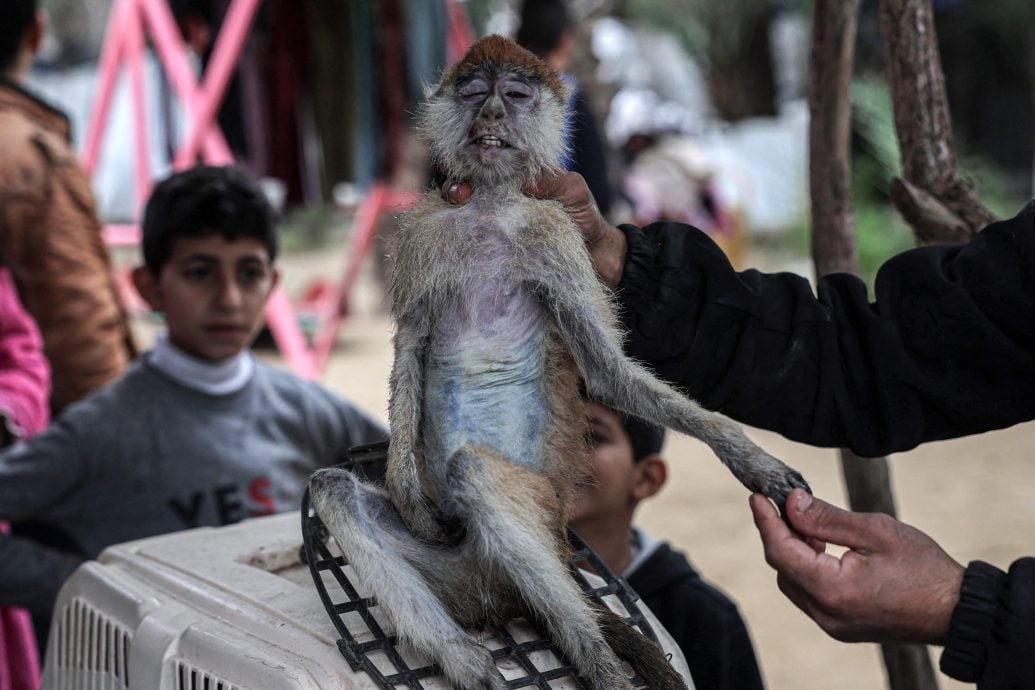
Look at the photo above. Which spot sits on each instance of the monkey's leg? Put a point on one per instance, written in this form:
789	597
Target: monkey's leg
626	386
515	526
559	271
404	410
382	553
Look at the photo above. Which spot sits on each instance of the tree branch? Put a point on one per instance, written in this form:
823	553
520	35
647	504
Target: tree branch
924	128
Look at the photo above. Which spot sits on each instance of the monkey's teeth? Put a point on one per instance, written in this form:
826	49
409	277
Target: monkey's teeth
490	141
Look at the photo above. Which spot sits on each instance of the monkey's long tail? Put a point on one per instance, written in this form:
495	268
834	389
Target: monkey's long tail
646	658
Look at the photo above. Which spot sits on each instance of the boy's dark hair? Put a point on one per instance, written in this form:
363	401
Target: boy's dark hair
16	17
205	200
644	437
543	22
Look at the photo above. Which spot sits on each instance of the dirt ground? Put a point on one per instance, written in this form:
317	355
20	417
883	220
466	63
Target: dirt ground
972	495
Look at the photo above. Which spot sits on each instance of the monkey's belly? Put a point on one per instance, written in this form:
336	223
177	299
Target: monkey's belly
484	385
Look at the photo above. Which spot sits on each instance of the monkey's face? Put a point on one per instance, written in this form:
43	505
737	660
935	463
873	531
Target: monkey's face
500	109
498	117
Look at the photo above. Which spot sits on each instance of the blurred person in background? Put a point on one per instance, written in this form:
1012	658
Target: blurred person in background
50	236
670	177
548	30
24	412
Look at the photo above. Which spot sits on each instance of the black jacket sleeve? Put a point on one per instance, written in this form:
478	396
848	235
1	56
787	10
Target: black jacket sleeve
992	630
946	349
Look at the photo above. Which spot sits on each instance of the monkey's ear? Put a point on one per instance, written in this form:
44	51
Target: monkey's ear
651	473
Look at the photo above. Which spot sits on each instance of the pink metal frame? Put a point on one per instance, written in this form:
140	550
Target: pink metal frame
332	309
131	23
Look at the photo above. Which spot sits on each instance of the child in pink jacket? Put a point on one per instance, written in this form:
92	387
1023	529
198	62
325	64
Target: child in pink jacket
24	411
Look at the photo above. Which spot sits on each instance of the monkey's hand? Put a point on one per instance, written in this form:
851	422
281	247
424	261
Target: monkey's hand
606	243
893	584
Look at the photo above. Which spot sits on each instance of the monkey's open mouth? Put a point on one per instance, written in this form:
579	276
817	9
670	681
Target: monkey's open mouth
490	141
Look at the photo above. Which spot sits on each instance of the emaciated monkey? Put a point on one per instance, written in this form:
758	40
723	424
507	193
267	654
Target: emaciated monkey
500	322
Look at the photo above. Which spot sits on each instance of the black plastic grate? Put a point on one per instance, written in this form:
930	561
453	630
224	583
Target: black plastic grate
353	615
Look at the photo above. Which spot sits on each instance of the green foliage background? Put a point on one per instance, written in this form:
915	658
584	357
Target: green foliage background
880	232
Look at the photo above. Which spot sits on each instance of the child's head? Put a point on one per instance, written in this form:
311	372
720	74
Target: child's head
18	19
205	200
209	244
627	468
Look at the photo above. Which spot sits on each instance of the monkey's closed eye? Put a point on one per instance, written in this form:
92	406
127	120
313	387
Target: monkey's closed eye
517	90
476	88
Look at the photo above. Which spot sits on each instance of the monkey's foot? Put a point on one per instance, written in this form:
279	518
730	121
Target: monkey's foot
760	472
469	666
781	487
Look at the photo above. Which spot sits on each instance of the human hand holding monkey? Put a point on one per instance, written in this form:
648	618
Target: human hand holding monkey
606	243
893	584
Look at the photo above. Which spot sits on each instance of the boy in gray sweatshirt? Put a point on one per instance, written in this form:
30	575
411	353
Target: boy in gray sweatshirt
197	432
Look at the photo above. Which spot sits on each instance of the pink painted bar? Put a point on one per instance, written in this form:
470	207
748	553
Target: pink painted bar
172	52
227	50
460	34
380	199
107	74
134	56
121	235
364	227
124	43
283	324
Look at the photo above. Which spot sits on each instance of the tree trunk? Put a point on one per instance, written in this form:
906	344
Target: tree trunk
834	250
830	165
933	198
741	80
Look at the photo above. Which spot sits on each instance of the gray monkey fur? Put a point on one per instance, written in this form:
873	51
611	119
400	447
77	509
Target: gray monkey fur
499	316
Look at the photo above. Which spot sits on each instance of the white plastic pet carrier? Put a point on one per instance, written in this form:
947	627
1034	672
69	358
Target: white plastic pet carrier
232	608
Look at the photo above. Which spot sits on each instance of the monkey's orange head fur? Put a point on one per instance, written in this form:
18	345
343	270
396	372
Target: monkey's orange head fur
496	53
498	116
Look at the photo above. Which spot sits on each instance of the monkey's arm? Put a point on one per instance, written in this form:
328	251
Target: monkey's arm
562	276
558	270
580	309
